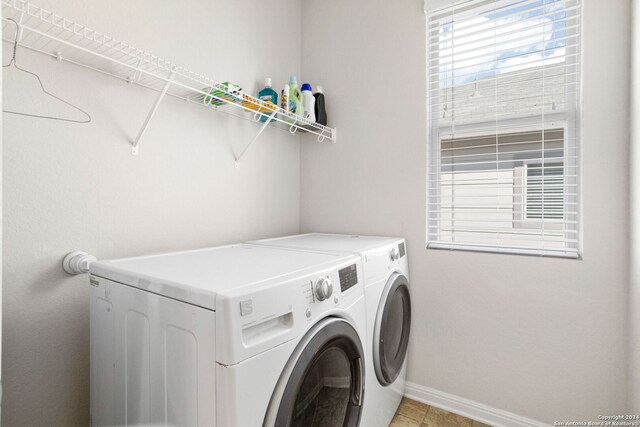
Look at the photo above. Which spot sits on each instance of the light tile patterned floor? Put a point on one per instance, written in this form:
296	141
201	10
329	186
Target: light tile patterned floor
416	414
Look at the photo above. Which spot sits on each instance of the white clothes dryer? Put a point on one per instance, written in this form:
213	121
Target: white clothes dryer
232	336
386	280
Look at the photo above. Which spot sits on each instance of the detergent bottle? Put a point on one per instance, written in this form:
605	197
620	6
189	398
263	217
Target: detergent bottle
285	104
268	96
320	110
295	97
308	103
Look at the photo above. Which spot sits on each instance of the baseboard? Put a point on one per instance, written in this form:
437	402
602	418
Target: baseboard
468	408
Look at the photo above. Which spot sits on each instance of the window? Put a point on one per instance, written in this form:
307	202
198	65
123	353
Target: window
544	195
504	146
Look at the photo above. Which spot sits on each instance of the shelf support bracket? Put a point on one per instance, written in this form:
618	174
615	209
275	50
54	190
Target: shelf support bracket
262	128
163	92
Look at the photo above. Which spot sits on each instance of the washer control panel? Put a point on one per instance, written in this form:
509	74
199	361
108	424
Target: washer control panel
254	319
323	288
321	291
348	277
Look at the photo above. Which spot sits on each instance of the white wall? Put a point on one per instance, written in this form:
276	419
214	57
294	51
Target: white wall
70	186
634	290
542	338
1	246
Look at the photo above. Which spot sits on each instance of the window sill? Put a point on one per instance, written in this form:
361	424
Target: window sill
469	247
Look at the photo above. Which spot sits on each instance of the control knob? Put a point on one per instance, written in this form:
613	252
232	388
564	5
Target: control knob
394	254
323	288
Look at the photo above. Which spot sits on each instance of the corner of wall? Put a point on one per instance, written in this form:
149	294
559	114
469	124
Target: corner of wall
633	377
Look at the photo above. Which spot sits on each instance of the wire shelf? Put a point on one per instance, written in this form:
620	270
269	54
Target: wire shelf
45	32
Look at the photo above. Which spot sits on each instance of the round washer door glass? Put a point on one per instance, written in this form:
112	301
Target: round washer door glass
393	326
325	387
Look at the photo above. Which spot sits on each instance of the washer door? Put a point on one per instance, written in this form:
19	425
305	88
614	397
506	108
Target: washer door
323	383
393	325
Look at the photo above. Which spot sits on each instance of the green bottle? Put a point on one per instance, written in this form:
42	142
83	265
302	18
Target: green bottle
295	96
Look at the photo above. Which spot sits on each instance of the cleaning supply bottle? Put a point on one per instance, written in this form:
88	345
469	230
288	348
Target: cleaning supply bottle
285	104
308	103
295	97
268	96
321	112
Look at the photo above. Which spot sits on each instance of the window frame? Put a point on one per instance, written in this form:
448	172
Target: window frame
569	120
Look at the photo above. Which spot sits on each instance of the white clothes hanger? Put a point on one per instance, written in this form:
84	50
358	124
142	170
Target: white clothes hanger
14	64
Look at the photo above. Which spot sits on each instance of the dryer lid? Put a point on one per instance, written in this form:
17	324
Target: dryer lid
197	277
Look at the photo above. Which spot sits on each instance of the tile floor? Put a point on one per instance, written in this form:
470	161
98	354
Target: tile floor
416	414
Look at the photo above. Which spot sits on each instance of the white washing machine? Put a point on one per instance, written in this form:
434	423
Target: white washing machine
234	336
388	304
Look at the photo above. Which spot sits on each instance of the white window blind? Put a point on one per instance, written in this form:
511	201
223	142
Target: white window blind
504	143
